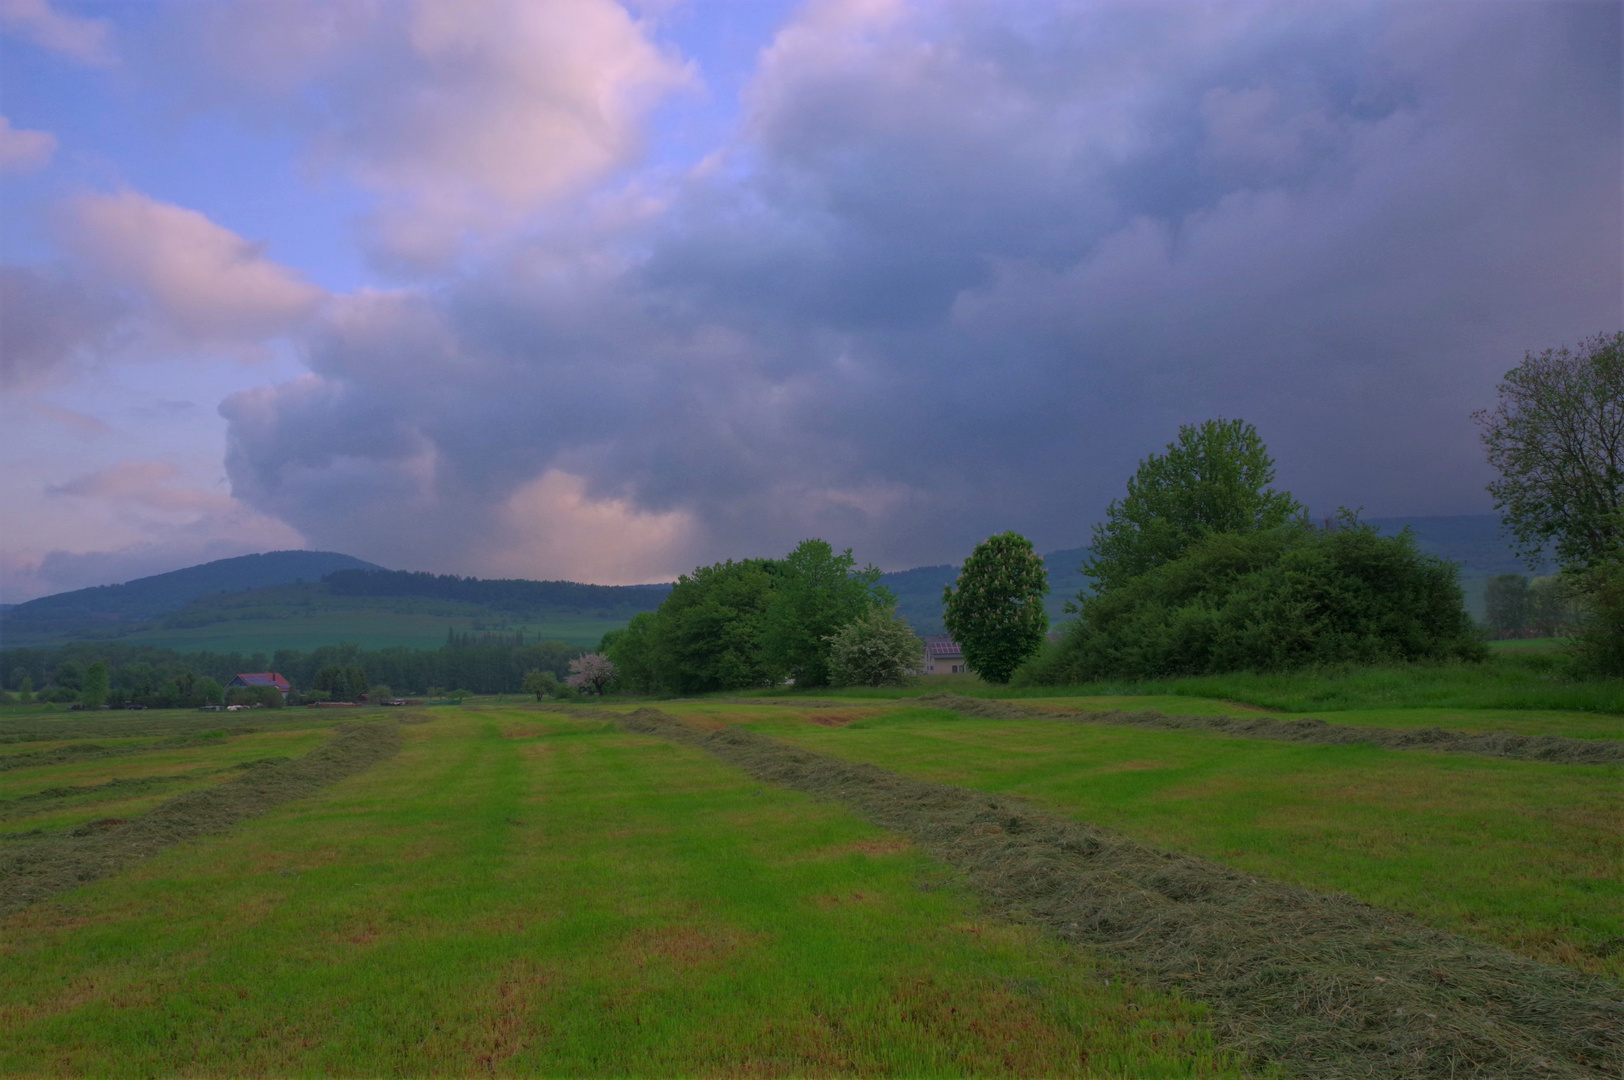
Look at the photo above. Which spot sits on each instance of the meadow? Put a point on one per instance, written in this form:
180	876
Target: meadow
532	888
520	891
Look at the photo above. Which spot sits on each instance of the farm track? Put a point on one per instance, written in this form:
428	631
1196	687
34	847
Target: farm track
34	869
1325	985
1553	749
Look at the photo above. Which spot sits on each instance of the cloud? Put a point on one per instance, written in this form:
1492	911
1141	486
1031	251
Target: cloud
203	281
149	516
965	265
87	41
22	150
460	115
50	326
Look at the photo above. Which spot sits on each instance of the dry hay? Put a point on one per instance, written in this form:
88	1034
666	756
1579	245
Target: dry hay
1325	985
1556	749
37	868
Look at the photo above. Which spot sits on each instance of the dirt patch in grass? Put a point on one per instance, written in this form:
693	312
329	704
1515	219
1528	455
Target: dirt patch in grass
1556	749
1325	985
681	947
51	863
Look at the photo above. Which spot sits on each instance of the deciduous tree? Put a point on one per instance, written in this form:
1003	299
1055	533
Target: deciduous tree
816	592
1213	479
1556	437
593	671
995	608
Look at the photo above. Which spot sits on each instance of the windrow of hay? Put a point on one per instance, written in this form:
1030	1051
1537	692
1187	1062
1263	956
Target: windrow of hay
1555	749
1325	985
73	753
39	868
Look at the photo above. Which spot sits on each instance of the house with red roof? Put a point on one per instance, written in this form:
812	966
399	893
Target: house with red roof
263	678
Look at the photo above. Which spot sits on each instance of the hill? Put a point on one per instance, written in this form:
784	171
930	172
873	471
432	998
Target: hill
106	610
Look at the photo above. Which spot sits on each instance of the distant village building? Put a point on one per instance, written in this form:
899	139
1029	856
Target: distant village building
263	678
943	656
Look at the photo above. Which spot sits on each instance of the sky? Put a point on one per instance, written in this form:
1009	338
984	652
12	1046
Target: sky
603	291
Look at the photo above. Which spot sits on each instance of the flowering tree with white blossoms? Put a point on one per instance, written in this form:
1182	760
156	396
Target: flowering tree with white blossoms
593	669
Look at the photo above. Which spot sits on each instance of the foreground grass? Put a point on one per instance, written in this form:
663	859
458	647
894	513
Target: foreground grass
519	892
1527	855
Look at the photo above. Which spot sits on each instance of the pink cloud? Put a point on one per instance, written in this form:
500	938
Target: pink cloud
85	40
22	150
462	114
206	282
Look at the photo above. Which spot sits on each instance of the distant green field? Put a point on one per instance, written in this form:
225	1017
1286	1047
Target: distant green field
370	629
304	617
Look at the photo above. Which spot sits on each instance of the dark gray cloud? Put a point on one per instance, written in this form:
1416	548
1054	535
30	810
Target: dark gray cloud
966	264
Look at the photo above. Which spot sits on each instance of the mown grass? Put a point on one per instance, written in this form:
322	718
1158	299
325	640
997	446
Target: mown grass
171	771
1527	855
520	892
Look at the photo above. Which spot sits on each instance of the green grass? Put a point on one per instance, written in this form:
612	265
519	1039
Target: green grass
1528	855
519	892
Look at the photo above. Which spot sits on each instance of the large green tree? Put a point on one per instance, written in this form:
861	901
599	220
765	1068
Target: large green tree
1214	478
1556	436
995	608
816	593
706	634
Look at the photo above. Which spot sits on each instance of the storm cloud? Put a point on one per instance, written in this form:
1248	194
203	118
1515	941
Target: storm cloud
964	264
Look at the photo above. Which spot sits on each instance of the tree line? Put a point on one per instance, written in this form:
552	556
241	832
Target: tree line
165	678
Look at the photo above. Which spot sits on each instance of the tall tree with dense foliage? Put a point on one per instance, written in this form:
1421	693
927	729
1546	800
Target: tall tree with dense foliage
93	694
1214	478
706	635
815	594
878	648
1556	437
995	609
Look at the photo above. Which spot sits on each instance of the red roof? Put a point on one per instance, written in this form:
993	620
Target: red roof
262	678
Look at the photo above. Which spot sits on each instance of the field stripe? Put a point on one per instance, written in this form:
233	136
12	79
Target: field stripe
1325	985
36	869
1551	749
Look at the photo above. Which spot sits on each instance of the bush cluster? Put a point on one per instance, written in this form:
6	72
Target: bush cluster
1268	601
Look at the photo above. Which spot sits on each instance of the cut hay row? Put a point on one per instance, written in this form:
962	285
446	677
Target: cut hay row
37	868
77	753
1554	749
1325	985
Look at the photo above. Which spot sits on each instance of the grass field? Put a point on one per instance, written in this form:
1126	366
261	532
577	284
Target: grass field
1527	855
522	892
526	889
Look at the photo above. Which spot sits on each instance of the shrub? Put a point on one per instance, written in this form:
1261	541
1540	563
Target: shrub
878	648
1269	601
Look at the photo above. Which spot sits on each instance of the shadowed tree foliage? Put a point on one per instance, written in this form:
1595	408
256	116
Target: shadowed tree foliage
1556	436
1213	479
995	608
1269	601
